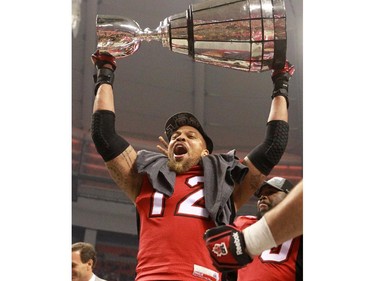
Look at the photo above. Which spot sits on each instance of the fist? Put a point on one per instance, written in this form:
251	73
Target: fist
285	73
227	248
99	59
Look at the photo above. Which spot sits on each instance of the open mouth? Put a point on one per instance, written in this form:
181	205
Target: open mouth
179	150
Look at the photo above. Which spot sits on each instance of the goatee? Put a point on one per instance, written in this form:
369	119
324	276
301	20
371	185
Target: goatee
181	167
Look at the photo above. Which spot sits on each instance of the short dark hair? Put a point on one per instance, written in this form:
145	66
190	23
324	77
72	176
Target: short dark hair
86	252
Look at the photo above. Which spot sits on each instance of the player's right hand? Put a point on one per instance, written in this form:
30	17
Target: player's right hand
227	248
103	59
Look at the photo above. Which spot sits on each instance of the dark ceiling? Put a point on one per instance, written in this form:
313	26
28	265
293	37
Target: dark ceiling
155	83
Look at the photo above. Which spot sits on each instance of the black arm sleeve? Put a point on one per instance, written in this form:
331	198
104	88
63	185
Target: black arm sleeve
107	142
268	154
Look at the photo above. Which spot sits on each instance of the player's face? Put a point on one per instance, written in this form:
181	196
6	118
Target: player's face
268	199
80	271
185	149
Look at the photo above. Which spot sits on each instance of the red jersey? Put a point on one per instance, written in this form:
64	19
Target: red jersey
283	262
171	232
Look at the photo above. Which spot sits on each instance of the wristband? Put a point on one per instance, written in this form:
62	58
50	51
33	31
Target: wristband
258	237
280	85
103	76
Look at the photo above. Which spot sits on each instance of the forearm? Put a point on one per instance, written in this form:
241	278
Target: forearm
105	65
279	110
262	159
280	99
268	154
283	222
107	142
104	99
286	219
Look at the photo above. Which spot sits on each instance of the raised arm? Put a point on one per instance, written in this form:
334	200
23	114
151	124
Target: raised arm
118	154
285	221
266	155
230	248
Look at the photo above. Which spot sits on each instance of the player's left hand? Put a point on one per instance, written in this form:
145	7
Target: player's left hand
283	74
226	245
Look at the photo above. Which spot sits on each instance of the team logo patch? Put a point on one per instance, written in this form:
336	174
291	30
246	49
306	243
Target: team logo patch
220	249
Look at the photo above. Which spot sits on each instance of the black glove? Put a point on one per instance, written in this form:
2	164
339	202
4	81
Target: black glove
104	74
226	245
280	80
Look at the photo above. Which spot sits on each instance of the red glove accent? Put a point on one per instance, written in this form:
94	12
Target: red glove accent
287	71
102	58
226	245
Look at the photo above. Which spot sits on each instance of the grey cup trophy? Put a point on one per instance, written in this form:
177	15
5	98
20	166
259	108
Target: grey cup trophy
247	35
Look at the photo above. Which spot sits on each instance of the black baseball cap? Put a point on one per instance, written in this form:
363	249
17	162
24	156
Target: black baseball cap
278	183
186	119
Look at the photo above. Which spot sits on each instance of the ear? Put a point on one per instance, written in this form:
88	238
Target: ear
90	263
205	152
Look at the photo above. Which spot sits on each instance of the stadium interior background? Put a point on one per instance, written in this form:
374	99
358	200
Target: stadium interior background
151	85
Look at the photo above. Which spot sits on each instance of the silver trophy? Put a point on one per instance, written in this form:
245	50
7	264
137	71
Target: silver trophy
248	35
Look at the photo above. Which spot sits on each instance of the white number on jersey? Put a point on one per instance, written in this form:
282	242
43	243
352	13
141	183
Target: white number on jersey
277	254
188	206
